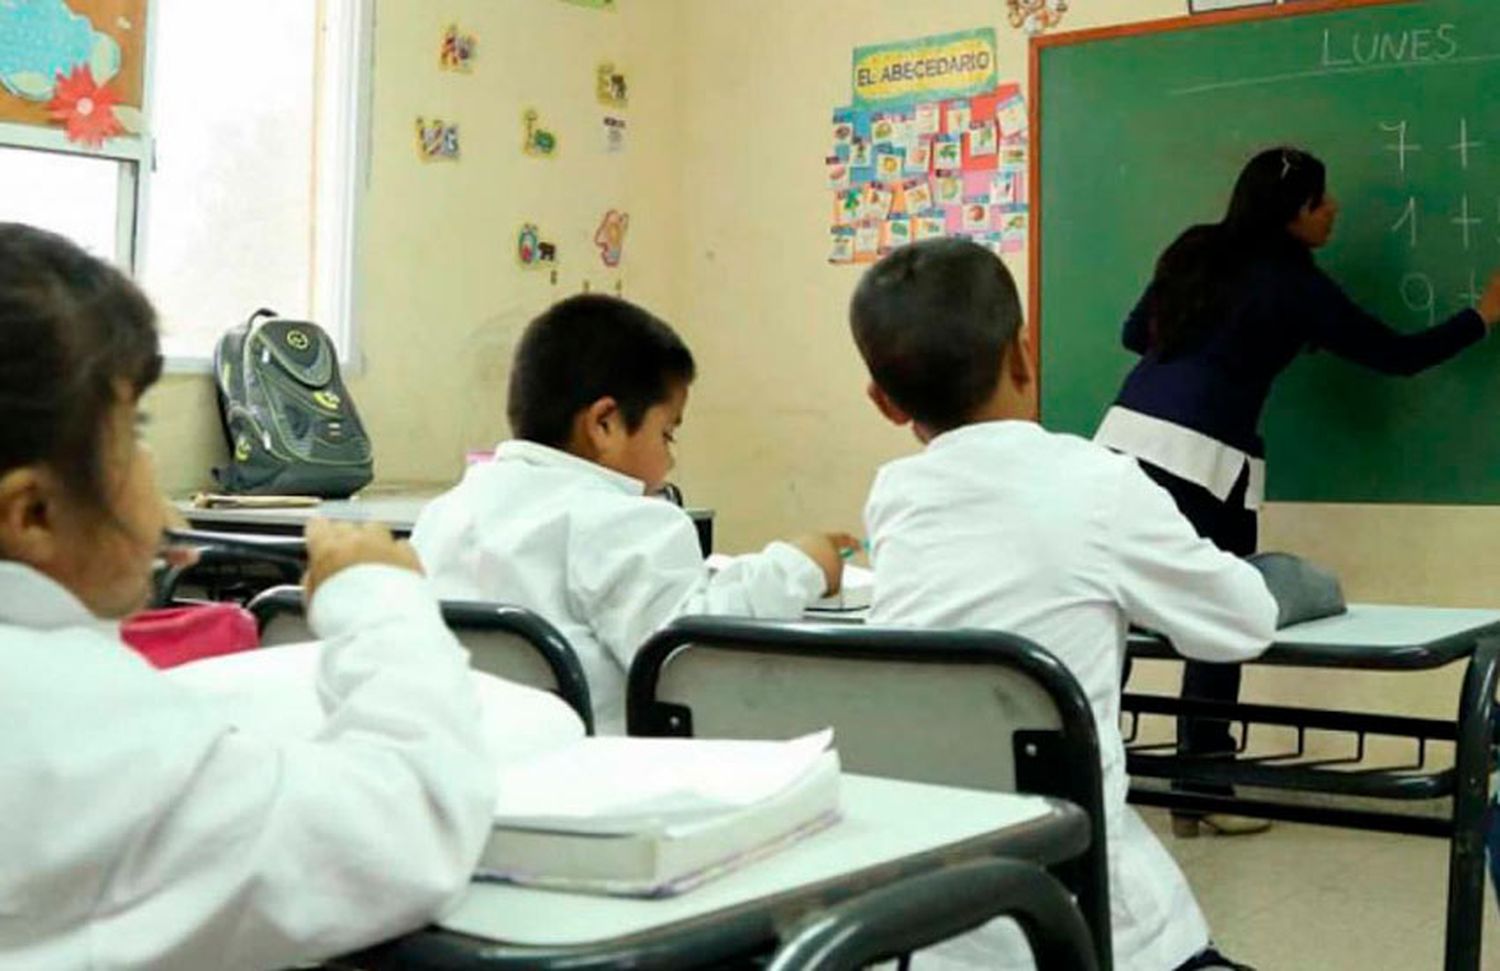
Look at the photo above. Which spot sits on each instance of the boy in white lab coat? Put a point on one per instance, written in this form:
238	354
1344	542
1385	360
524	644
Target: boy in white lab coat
565	521
1000	524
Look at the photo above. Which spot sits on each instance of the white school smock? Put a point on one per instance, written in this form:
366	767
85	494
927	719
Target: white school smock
585	548
1005	526
141	830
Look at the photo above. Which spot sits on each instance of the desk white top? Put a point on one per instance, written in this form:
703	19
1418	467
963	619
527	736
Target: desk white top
396	510
1364	625
884	820
1388	625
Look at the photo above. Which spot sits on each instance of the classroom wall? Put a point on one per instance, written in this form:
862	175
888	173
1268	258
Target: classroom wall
728	125
779	436
441	296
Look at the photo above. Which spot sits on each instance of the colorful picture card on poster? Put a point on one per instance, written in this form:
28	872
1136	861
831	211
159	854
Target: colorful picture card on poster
955	166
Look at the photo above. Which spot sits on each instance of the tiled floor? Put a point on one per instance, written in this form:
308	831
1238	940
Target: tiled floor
1311	898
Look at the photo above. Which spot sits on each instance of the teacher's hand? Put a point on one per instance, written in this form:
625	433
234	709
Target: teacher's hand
1489	301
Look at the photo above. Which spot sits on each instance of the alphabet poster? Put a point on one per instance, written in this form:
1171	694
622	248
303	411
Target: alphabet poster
914	170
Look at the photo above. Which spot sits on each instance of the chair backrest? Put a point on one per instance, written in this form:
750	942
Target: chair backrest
282	616
919	911
977	709
225	574
507	642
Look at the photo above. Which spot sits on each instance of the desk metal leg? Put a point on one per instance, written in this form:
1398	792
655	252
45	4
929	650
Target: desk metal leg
1471	798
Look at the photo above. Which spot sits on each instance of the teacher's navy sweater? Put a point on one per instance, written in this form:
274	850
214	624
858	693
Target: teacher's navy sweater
1283	305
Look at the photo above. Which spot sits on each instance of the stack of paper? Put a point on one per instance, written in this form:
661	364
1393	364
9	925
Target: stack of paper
648	817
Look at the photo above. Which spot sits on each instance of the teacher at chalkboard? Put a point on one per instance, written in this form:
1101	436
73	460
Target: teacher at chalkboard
1230	306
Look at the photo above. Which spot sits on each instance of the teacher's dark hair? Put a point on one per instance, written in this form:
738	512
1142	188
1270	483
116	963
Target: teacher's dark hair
72	330
932	321
1197	274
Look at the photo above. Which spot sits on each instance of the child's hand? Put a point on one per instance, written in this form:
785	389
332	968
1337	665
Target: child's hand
1489	301
332	547
177	556
827	550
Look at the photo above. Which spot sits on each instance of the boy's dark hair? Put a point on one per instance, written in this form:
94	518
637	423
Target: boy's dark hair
71	328
931	321
586	348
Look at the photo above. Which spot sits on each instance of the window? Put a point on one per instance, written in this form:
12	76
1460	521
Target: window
85	198
251	200
255	155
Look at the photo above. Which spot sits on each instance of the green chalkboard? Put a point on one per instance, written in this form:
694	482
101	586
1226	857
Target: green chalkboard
1141	135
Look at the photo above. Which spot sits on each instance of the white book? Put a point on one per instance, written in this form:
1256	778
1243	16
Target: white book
652	855
638	816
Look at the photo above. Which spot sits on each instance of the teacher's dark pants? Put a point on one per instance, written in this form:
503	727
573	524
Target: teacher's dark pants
1234	529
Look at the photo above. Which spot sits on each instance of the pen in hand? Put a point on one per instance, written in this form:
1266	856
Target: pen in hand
849	552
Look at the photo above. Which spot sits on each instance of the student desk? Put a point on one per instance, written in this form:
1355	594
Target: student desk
890	829
398	510
1370	638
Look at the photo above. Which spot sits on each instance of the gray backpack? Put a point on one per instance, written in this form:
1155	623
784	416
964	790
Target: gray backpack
291	426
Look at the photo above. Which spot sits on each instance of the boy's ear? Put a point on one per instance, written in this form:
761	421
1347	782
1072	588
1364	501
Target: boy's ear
604	411
1018	361
27	509
886	406
595	427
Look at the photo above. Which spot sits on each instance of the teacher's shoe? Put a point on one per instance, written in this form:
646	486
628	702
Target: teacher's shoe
1218	824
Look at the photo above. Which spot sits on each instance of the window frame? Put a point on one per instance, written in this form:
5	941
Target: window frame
343	116
132	152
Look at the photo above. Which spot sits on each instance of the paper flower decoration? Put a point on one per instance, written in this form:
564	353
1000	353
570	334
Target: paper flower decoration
85	107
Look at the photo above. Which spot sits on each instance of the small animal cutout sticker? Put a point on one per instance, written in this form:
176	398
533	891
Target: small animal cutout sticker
437	141
538	141
457	51
614	134
611	87
1036	16
610	237
532	251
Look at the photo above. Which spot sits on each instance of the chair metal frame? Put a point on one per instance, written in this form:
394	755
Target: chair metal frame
462	615
1064	762
932	907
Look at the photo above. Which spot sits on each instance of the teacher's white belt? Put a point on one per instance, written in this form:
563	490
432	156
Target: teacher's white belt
1183	452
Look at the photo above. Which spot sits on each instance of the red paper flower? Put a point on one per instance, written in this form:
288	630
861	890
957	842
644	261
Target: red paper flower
85	107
